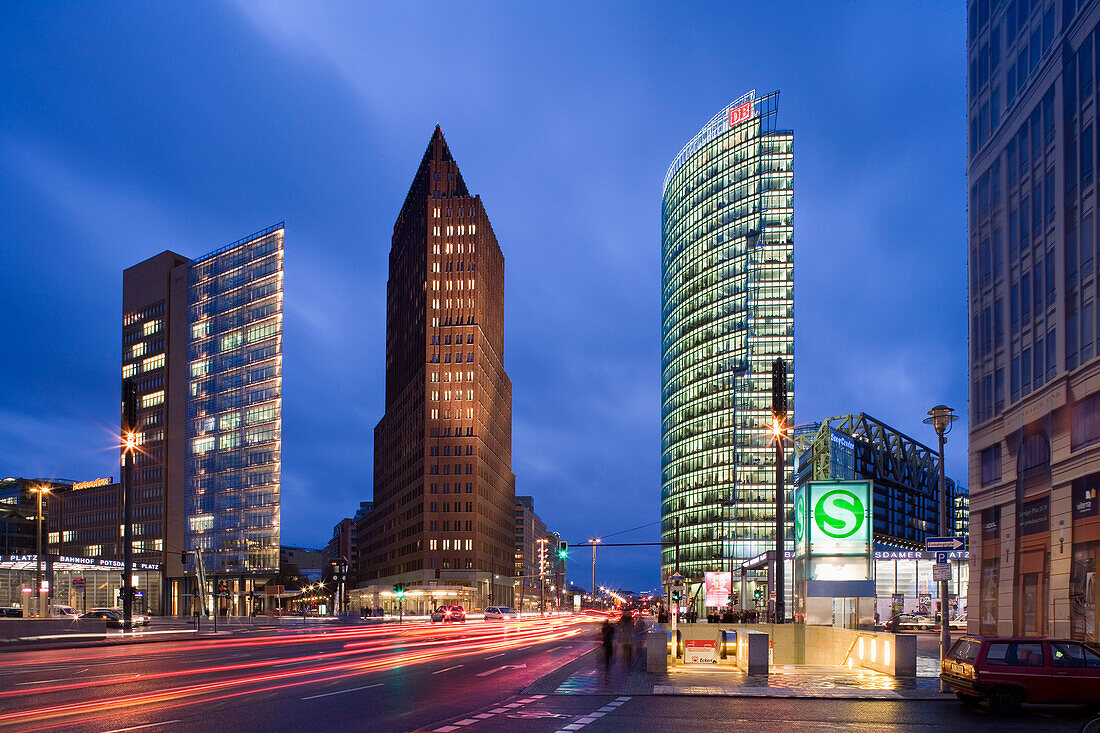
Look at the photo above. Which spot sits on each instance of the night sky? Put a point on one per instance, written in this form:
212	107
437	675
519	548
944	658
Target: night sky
128	129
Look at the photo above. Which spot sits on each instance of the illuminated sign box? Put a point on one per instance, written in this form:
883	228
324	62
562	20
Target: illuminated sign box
833	521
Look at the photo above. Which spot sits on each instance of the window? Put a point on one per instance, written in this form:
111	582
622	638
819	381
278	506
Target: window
263	331
148	329
231	341
154	398
1015	654
202	445
1074	656
137	350
1085	428
991	464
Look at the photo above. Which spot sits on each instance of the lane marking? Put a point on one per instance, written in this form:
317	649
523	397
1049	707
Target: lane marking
341	692
567	646
592	717
505	666
494	656
448	669
139	727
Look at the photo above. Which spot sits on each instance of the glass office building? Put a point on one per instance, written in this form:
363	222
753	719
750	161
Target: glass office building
234	361
727	313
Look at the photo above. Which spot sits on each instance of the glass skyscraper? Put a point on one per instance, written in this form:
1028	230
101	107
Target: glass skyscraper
727	313
234	425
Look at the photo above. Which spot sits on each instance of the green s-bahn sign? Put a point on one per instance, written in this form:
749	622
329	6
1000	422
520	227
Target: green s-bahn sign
835	516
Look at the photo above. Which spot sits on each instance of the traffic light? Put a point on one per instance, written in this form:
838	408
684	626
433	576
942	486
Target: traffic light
676	596
223	590
399	590
758	593
183	558
563	549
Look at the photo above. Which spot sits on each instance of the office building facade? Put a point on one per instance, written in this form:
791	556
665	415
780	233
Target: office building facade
727	313
444	491
202	340
1034	372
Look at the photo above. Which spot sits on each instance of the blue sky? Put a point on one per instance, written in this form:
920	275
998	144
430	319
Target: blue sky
131	128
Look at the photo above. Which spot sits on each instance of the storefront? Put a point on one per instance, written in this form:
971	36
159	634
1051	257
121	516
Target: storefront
903	582
79	582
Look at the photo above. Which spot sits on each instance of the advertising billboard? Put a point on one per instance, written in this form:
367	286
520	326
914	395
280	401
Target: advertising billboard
719	587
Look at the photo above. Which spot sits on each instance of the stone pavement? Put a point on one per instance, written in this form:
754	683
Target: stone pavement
587	675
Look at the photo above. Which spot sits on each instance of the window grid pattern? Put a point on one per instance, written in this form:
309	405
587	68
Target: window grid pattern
727	313
234	408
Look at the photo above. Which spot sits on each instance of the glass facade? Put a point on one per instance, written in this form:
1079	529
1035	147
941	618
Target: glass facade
727	313
234	423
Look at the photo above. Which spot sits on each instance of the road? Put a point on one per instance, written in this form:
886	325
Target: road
625	713
349	678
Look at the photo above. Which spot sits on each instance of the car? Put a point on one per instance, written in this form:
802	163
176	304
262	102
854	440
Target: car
958	623
443	614
500	613
114	621
1009	671
63	612
138	619
11	612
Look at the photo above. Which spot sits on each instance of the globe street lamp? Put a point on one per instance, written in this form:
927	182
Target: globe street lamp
39	610
941	418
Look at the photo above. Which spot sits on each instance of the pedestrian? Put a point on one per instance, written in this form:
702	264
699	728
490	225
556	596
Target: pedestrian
608	634
626	638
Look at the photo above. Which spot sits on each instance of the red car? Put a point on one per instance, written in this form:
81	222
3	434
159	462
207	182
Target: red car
449	613
1008	671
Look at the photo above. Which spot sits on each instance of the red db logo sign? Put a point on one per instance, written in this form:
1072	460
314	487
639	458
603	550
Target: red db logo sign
740	114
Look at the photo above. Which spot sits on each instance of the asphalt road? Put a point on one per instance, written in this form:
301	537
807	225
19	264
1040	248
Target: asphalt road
342	679
656	713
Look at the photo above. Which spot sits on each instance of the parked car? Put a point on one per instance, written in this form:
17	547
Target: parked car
958	623
63	612
443	614
11	612
138	619
1008	671
114	621
500	613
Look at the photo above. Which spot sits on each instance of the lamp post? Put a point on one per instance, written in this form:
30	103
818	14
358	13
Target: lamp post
595	541
38	599
941	418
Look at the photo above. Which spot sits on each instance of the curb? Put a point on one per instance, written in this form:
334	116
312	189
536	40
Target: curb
804	694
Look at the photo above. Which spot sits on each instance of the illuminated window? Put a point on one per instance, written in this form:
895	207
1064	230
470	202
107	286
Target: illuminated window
231	341
154	398
450	230
435	231
260	414
129	370
472	231
229	440
229	421
202	445
201	330
200	368
137	350
53	538
448	248
150	328
263	331
153	362
436	212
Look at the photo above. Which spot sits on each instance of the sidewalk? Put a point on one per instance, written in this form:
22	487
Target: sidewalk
587	676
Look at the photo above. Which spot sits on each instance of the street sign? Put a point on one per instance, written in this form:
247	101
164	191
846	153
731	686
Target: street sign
953	544
941	557
941	571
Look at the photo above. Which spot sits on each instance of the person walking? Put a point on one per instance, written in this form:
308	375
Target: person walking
626	638
607	631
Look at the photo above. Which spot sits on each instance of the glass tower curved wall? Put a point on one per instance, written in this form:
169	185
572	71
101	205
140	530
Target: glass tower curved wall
727	313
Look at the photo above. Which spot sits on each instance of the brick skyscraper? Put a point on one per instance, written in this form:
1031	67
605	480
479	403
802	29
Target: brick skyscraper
444	491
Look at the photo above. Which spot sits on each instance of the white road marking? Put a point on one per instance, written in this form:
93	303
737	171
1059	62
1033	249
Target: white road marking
341	692
139	727
441	671
506	666
494	656
567	646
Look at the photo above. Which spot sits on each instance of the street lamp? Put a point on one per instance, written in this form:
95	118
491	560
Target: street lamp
595	541
39	610
941	418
